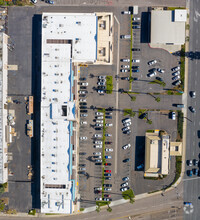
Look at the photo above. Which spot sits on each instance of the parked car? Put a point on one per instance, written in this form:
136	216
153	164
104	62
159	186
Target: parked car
83	107
125	128
82	79
98	142
125	178
98	128
107	164
107	185
98	125
127	132
125	60
124	184
189	173
82	153
84	83
136	26
125	66
82	165
98	199
192	109
159	79
82	95
97	146
176	83
124	189
108	142
108	124
173	116
176	73
83	91
151	74
101	77
108	135
99	117
99	121
101	92
101	87
127	146
109	150
83	138
193	94
189	162
176	68
82	100
49	2
107	196
135	67
98	113
101	83
124	70
107	178
107	189
108	157
82	168
195	162
127	124
98	135
176	77
97	153
126	160
107	174
139	167
98	161
107	199
160	70
83	122
195	171
125	78
135	49
83	115
108	117
125	36
125	120
126	12
150	63
135	71
97	157
108	113
136	61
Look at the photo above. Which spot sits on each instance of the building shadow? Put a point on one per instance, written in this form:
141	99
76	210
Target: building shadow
36	92
139	151
145	27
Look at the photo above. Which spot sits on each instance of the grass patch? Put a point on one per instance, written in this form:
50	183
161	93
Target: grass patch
163	84
3	187
130	82
150	131
102	203
149	121
180	124
129	112
178	168
32	212
82	209
133	98
128	195
109	84
128	92
157	99
173	8
141	111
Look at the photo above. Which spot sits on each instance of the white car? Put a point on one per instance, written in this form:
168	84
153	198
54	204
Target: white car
84	84
136	19
126	146
101	83
108	135
126	178
84	115
97	157
126	120
97	153
34	1
97	188
125	66
136	61
176	77
98	142
107	189
176	68
98	113
109	125
82	91
108	157
126	12
97	146
173	116
109	150
125	60
99	117
124	70
124	189
99	121
127	124
100	91
82	100
99	125
101	77
176	73
126	129
124	184
151	74
152	62
160	70
98	199
83	122
83	138
98	161
98	135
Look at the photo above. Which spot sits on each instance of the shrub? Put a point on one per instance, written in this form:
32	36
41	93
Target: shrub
109	209
133	98
149	121
82	209
32	212
157	99
109	84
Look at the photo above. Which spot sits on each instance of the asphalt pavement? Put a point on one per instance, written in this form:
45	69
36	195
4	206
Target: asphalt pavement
191	184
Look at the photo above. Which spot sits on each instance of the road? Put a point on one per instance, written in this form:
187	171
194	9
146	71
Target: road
191	187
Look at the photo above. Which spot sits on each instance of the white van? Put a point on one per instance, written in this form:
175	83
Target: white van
126	120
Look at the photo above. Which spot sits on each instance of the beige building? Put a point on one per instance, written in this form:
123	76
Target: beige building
158	150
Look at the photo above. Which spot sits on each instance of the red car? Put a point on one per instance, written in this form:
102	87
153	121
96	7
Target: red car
108	164
107	196
97	191
107	171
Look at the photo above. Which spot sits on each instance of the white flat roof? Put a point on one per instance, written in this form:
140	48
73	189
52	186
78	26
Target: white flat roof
166	31
80	28
180	15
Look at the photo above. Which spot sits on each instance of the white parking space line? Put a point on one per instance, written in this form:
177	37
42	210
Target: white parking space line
117	97
191	179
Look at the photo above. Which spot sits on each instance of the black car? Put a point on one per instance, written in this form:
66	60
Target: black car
125	78
135	23
192	109
152	70
83	87
82	153
98	164
135	49
82	79
82	95
98	128
135	78
83	103
83	107
108	117
108	142
107	185
101	87
82	165
126	160
107	178
135	67
159	79
143	115
83	111
108	113
82	172
136	27
109	109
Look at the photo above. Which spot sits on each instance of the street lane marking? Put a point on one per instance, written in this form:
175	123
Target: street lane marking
191	179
